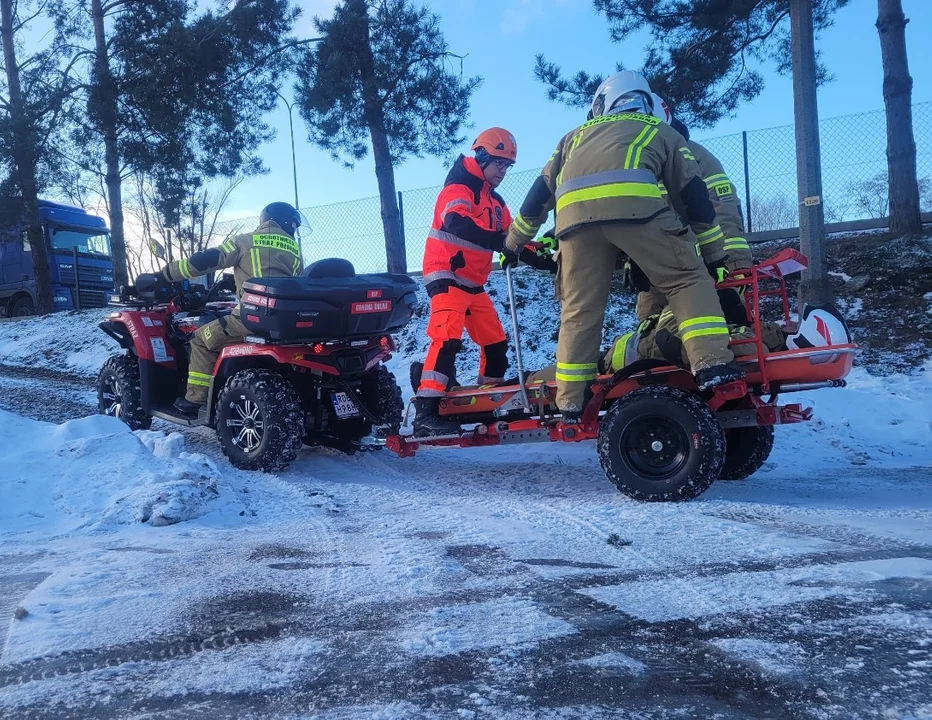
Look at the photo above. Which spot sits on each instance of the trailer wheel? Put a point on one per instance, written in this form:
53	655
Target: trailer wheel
661	444
119	394
746	450
259	420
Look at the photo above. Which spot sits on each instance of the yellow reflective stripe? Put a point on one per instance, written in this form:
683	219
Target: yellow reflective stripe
736	243
716	179
296	268
711	240
706	331
611	190
276	242
576	378
523	226
702	321
716	229
687	153
576	366
633	146
198	383
637	155
618	352
256	263
183	269
191	373
228	245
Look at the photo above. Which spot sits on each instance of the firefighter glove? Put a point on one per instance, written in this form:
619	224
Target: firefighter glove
508	257
634	278
548	242
538	260
717	270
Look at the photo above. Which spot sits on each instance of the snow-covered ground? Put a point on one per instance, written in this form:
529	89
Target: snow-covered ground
155	580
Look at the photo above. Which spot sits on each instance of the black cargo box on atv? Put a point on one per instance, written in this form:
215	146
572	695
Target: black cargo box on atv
328	302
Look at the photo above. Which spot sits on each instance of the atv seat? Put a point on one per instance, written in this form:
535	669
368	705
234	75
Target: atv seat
330	268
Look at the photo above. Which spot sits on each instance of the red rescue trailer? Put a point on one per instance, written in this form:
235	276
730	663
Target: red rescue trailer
659	437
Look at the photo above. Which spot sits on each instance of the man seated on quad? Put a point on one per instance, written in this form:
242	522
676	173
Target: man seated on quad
657	338
270	251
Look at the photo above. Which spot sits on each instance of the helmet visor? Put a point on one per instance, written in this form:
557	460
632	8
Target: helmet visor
634	101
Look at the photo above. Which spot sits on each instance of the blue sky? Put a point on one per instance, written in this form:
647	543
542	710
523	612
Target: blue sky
501	38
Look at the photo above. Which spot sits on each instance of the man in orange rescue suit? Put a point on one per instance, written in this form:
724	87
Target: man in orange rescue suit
602	181
469	226
270	251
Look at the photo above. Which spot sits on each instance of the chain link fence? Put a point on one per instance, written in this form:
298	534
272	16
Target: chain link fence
761	164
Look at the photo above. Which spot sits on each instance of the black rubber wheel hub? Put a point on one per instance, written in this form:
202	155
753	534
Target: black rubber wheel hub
654	447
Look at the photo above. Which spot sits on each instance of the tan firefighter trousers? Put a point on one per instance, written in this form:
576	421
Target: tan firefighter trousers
206	345
665	250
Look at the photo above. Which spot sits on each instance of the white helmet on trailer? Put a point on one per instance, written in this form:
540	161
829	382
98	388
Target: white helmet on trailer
622	91
820	326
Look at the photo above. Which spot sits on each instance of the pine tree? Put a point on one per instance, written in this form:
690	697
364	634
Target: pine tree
703	55
381	78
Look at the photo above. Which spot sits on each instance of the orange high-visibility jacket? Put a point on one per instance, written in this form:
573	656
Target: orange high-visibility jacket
470	224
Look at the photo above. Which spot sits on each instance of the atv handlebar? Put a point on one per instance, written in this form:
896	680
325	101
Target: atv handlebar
153	289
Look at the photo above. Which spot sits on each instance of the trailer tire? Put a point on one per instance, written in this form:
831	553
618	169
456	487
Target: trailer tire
746	450
119	391
661	444
259	420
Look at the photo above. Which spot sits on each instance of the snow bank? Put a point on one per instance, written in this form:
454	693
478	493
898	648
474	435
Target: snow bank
875	421
95	474
66	342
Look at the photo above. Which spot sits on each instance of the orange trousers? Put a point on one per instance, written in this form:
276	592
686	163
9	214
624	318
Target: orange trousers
451	311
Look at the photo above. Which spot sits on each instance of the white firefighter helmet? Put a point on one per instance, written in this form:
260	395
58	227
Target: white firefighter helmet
820	326
622	91
661	109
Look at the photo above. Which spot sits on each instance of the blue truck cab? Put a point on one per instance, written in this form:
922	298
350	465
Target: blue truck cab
64	228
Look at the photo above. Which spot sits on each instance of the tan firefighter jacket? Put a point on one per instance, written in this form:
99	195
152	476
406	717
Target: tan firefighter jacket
608	170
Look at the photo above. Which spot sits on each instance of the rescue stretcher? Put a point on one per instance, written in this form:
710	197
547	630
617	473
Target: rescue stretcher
659	437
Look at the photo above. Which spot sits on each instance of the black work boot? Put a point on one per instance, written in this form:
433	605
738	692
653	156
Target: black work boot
427	420
186	407
712	377
414	373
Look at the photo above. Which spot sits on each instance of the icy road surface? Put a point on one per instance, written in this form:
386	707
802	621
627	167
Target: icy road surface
462	584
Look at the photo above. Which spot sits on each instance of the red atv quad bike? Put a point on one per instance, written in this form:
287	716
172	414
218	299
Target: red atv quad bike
658	436
313	370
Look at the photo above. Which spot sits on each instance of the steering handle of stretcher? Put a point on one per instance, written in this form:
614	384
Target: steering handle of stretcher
517	336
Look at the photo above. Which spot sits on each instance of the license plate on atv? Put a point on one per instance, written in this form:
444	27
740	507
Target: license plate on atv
343	406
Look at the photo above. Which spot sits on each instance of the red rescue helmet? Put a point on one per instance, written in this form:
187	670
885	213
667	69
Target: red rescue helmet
495	144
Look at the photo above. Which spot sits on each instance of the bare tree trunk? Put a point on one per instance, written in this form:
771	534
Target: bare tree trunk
25	143
384	170
897	98
107	120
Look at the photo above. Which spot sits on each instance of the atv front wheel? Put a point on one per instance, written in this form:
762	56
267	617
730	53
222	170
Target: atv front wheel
660	444
119	394
259	420
746	450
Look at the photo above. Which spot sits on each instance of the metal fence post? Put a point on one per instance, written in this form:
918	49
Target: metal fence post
77	279
747	181
401	222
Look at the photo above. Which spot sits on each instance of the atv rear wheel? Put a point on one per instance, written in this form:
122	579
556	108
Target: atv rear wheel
119	394
259	420
746	450
661	444
381	395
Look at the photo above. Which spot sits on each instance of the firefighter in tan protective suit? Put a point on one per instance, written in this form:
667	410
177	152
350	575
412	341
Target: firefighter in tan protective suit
602	181
270	251
729	241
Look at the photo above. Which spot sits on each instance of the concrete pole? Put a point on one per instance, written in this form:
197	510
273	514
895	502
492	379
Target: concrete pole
815	288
